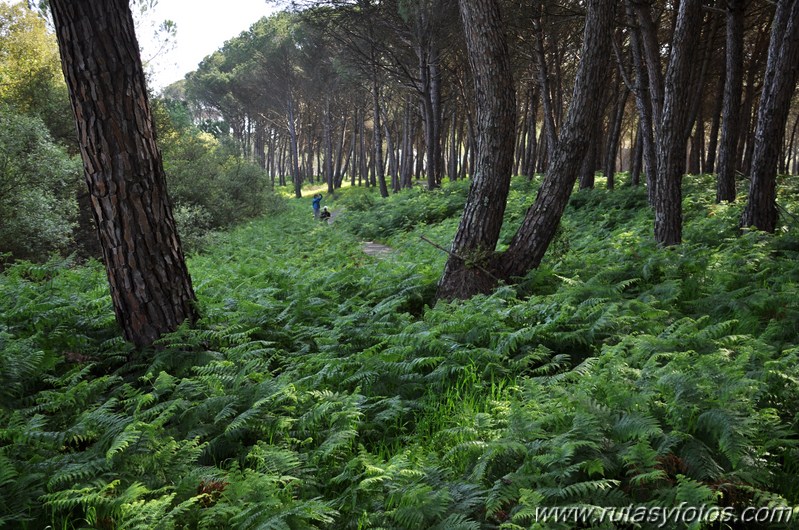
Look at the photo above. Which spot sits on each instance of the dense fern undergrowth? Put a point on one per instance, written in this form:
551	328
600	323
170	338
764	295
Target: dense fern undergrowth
322	390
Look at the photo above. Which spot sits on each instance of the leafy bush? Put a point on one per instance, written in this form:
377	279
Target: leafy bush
38	186
207	178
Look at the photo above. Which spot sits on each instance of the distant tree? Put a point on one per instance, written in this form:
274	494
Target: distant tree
778	88
150	284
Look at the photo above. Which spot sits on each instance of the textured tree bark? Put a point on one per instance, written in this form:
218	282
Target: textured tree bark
778	87
531	241
475	241
651	52
673	130
731	113
150	284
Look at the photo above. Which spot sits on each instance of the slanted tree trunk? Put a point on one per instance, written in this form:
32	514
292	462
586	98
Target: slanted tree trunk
465	271
528	246
674	130
150	284
779	85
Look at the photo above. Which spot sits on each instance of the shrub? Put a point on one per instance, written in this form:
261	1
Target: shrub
204	173
38	186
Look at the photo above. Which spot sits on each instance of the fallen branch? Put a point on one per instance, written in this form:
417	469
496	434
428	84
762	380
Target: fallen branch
439	247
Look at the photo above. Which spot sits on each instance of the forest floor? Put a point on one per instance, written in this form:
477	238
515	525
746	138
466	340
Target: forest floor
325	389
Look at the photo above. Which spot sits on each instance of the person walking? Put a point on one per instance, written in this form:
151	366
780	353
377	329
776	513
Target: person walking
317	200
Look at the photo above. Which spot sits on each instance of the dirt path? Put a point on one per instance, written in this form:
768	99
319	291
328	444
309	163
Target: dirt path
376	249
369	248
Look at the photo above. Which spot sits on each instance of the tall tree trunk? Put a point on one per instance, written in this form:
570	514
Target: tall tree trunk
150	284
790	151
637	157
406	167
452	171
380	169
532	139
464	273
391	155
528	246
778	87
651	55
614	137
715	127
294	149
546	92
733	87
643	101
674	130
363	168
328	141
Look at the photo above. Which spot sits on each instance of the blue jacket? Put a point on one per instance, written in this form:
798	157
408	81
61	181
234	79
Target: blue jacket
316	201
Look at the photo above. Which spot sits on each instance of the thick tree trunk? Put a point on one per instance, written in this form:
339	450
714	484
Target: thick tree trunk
778	87
150	284
531	241
465	271
674	130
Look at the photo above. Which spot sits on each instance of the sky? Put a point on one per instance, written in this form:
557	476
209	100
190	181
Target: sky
203	26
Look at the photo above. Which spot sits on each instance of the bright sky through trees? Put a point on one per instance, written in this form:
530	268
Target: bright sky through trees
202	27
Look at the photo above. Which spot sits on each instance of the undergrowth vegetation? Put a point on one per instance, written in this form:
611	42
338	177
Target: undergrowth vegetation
322	390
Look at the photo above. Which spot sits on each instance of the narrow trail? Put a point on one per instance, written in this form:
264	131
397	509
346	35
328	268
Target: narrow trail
377	250
370	248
